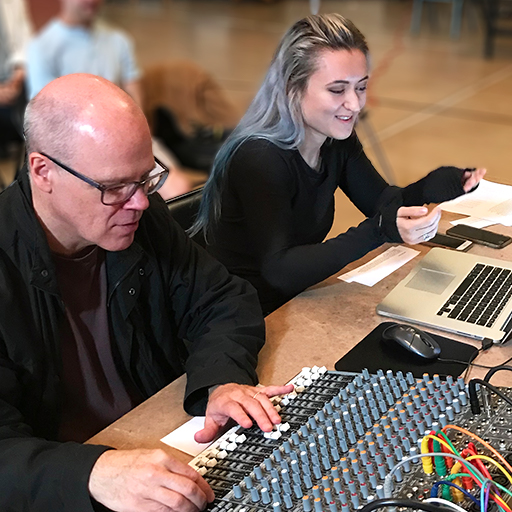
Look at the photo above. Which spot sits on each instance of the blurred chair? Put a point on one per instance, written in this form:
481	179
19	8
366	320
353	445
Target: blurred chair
495	14
180	180
12	144
417	10
184	210
188	111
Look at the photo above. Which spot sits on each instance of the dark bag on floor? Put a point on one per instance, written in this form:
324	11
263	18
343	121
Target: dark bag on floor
196	151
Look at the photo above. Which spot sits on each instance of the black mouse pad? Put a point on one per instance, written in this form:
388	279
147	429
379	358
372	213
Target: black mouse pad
374	353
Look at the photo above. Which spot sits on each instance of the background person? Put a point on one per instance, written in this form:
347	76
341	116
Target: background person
269	202
14	36
99	290
76	42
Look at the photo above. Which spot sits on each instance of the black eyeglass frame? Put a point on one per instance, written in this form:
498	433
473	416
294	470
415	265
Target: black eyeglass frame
104	188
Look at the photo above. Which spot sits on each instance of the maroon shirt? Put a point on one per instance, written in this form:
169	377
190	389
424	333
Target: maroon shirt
94	392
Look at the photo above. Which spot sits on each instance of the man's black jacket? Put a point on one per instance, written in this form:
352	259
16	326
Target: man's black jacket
162	290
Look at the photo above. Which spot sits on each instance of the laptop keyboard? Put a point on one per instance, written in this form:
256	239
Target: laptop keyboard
481	297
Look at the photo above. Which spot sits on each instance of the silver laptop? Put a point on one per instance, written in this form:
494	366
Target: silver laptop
456	292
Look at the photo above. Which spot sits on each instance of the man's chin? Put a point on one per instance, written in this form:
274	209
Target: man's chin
118	244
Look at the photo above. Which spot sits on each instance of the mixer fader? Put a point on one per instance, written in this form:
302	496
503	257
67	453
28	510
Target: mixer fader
342	433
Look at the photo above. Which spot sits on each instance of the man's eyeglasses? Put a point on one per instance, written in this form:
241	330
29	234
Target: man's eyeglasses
119	193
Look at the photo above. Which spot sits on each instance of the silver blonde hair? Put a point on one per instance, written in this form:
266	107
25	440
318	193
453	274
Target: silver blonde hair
275	114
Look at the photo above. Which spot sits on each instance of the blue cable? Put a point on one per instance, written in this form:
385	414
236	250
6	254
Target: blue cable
485	491
435	487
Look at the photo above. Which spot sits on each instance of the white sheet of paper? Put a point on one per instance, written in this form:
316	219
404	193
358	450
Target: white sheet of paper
183	437
474	222
381	266
491	201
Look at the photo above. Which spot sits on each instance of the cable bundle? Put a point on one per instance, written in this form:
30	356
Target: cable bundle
467	469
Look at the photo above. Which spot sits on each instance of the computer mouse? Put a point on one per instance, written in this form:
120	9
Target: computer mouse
413	339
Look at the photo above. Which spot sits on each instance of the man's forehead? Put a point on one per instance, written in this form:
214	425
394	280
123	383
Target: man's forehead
94	124
108	165
117	132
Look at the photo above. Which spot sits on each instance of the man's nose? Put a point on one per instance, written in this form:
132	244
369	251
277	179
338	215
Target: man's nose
139	200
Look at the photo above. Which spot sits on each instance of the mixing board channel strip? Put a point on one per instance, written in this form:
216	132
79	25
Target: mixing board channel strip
341	435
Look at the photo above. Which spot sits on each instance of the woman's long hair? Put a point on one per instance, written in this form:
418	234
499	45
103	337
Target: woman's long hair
275	113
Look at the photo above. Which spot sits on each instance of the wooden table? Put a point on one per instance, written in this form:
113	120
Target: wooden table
316	328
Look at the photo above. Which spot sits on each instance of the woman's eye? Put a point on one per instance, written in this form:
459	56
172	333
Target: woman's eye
362	88
337	91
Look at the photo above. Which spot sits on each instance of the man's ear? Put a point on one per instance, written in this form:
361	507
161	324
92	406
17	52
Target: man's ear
40	172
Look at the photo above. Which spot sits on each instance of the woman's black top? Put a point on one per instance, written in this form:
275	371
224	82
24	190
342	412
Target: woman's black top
277	211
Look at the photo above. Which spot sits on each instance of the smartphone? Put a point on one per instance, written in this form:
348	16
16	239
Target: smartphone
480	236
449	241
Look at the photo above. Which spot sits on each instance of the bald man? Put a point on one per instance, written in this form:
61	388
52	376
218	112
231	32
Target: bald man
99	290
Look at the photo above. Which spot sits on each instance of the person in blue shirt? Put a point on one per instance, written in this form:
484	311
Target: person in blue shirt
76	42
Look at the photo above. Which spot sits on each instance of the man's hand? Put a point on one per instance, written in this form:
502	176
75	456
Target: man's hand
416	225
241	403
147	481
471	179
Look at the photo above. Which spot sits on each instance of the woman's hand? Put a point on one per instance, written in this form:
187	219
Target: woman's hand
471	179
416	225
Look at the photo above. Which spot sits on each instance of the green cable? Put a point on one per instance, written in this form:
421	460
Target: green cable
446	488
504	489
445	493
441	433
438	460
456	475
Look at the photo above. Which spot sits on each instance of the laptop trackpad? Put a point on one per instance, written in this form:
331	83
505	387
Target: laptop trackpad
432	281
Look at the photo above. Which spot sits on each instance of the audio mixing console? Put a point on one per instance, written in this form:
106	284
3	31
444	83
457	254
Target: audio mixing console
342	433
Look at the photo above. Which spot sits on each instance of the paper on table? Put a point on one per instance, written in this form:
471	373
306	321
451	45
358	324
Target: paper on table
490	200
183	437
381	266
474	222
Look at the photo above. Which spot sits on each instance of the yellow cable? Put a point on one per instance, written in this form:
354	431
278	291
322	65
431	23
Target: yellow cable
492	461
502	503
456	468
435	438
426	462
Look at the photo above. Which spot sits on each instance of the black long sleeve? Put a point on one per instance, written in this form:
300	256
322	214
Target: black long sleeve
218	314
277	211
163	290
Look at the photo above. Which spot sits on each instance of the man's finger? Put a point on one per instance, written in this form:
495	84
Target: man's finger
271	391
255	410
269	408
209	432
412	211
187	495
237	412
175	466
165	500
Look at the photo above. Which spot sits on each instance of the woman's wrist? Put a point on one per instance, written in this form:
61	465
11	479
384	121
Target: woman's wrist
442	184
